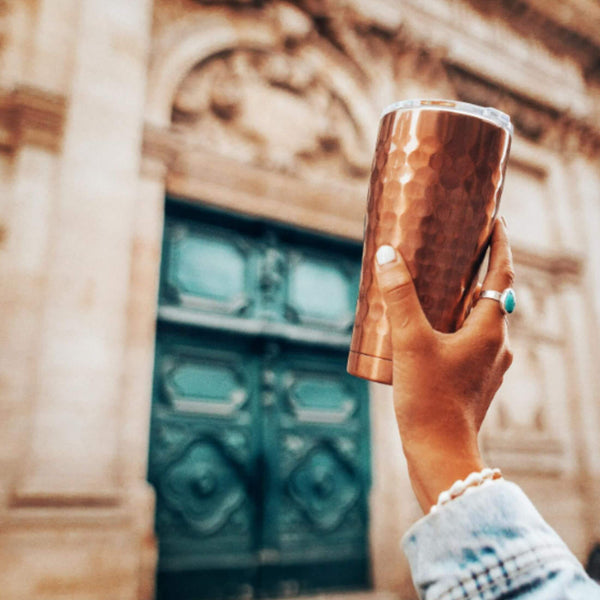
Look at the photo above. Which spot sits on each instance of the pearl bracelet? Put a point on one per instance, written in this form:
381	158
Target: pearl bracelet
461	486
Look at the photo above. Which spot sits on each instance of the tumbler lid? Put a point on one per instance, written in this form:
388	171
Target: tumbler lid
483	112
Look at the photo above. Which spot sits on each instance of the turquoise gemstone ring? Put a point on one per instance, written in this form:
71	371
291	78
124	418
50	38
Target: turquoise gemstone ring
507	299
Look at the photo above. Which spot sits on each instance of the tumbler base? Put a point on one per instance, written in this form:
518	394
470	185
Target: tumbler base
369	367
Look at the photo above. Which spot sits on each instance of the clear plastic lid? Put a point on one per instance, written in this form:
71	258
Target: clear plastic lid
483	112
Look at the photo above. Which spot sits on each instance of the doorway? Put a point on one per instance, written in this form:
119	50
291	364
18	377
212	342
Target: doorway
259	443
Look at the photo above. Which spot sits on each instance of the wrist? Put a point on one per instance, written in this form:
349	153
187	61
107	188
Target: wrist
433	469
467	485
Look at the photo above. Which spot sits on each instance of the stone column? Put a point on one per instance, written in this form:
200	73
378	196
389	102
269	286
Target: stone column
584	313
141	332
74	516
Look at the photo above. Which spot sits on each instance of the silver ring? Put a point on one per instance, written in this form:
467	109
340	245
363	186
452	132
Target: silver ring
507	299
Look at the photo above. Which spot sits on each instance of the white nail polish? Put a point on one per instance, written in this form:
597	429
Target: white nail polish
385	255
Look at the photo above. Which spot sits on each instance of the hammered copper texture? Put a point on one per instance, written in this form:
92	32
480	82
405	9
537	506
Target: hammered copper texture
435	187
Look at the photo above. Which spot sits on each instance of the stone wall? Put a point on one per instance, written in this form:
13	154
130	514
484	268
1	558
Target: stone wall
106	106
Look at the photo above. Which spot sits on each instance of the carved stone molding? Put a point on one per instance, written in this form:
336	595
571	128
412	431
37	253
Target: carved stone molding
438	48
274	109
159	150
33	499
31	116
190	170
569	27
536	122
261	86
525	452
560	267
334	207
543	90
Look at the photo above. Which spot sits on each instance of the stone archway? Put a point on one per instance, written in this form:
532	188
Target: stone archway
191	42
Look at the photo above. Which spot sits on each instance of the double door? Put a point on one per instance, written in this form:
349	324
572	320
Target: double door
259	449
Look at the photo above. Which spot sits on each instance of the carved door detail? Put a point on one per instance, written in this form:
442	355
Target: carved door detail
259	449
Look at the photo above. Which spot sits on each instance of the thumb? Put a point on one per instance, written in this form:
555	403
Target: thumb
403	308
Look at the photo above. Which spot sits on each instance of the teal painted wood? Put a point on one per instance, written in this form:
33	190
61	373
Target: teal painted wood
259	449
204	450
260	275
315	431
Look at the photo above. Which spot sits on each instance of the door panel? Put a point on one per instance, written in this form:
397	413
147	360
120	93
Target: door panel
207	268
204	451
321	289
317	465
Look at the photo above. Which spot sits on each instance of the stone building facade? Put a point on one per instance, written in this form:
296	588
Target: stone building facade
267	109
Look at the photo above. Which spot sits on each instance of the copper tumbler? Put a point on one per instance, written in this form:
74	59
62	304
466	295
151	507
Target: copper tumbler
434	192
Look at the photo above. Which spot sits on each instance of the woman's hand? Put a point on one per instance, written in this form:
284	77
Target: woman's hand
444	383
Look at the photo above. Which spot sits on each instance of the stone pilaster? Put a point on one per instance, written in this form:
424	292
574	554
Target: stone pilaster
75	520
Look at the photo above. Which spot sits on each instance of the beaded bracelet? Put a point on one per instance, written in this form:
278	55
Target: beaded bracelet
461	486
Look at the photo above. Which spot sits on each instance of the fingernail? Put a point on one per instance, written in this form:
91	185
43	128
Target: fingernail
504	221
385	255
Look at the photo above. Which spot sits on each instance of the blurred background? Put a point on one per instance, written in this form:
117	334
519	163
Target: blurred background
183	185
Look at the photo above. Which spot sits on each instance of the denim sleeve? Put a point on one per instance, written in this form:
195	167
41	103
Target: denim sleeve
493	544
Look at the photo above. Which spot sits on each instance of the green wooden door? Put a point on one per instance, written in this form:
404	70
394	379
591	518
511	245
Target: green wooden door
259	447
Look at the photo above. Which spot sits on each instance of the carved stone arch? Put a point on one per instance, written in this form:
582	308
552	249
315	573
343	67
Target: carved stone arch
189	41
277	42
